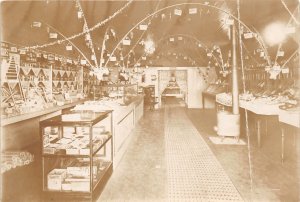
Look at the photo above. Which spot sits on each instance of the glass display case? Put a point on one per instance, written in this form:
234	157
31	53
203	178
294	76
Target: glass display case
116	91
76	154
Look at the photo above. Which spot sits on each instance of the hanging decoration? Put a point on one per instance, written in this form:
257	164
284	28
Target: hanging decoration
100	24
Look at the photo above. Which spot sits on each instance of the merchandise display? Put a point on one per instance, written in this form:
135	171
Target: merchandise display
75	144
89	88
14	159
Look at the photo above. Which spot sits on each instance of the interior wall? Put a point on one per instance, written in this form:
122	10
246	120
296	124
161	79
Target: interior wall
195	83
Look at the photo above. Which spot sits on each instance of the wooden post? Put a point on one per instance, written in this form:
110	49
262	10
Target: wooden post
235	86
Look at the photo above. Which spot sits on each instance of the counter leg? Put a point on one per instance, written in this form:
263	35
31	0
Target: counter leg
258	125
266	126
282	144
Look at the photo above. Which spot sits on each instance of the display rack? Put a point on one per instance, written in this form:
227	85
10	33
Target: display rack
77	158
125	92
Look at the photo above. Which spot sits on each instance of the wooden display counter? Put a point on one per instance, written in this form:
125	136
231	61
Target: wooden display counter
21	131
124	121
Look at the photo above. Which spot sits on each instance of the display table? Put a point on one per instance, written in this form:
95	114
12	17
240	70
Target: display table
262	111
288	119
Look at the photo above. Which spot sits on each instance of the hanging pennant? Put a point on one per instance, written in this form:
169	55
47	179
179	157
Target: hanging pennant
209	54
193	11
143	27
87	37
172	39
126	42
144	58
178	12
53	35
36	24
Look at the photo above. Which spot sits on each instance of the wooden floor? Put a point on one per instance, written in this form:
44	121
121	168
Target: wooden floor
142	174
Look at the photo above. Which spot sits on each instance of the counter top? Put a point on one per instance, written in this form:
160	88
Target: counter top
22	117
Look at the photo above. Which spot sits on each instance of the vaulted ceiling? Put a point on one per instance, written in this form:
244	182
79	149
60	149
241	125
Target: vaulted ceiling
206	27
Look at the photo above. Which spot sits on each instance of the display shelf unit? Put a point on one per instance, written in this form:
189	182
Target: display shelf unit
126	92
77	154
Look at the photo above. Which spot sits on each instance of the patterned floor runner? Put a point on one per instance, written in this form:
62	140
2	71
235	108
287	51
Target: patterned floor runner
194	173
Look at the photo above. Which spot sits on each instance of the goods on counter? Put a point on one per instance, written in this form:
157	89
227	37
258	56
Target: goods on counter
10	160
76	176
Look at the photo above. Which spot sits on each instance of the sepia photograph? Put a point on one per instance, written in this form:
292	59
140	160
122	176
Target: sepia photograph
150	100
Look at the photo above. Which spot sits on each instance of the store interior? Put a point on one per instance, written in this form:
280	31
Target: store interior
159	100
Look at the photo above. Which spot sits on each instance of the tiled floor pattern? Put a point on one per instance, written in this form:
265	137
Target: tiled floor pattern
193	172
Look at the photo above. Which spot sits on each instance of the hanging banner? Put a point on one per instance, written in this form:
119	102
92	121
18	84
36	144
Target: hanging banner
53	35
229	21
55	83
25	70
280	53
126	42
143	27
180	38
193	11
36	71
112	59
13	49
248	35
79	14
36	24
69	47
68	73
178	12
93	57
172	39
83	62
285	70
55	72
144	58
290	30
22	51
12	85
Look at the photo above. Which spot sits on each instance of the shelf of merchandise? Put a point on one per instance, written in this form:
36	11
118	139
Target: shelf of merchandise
77	154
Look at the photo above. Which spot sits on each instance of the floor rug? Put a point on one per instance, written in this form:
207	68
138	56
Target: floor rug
193	172
226	141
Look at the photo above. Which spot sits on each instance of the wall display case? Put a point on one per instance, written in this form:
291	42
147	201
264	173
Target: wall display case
30	80
77	156
125	93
